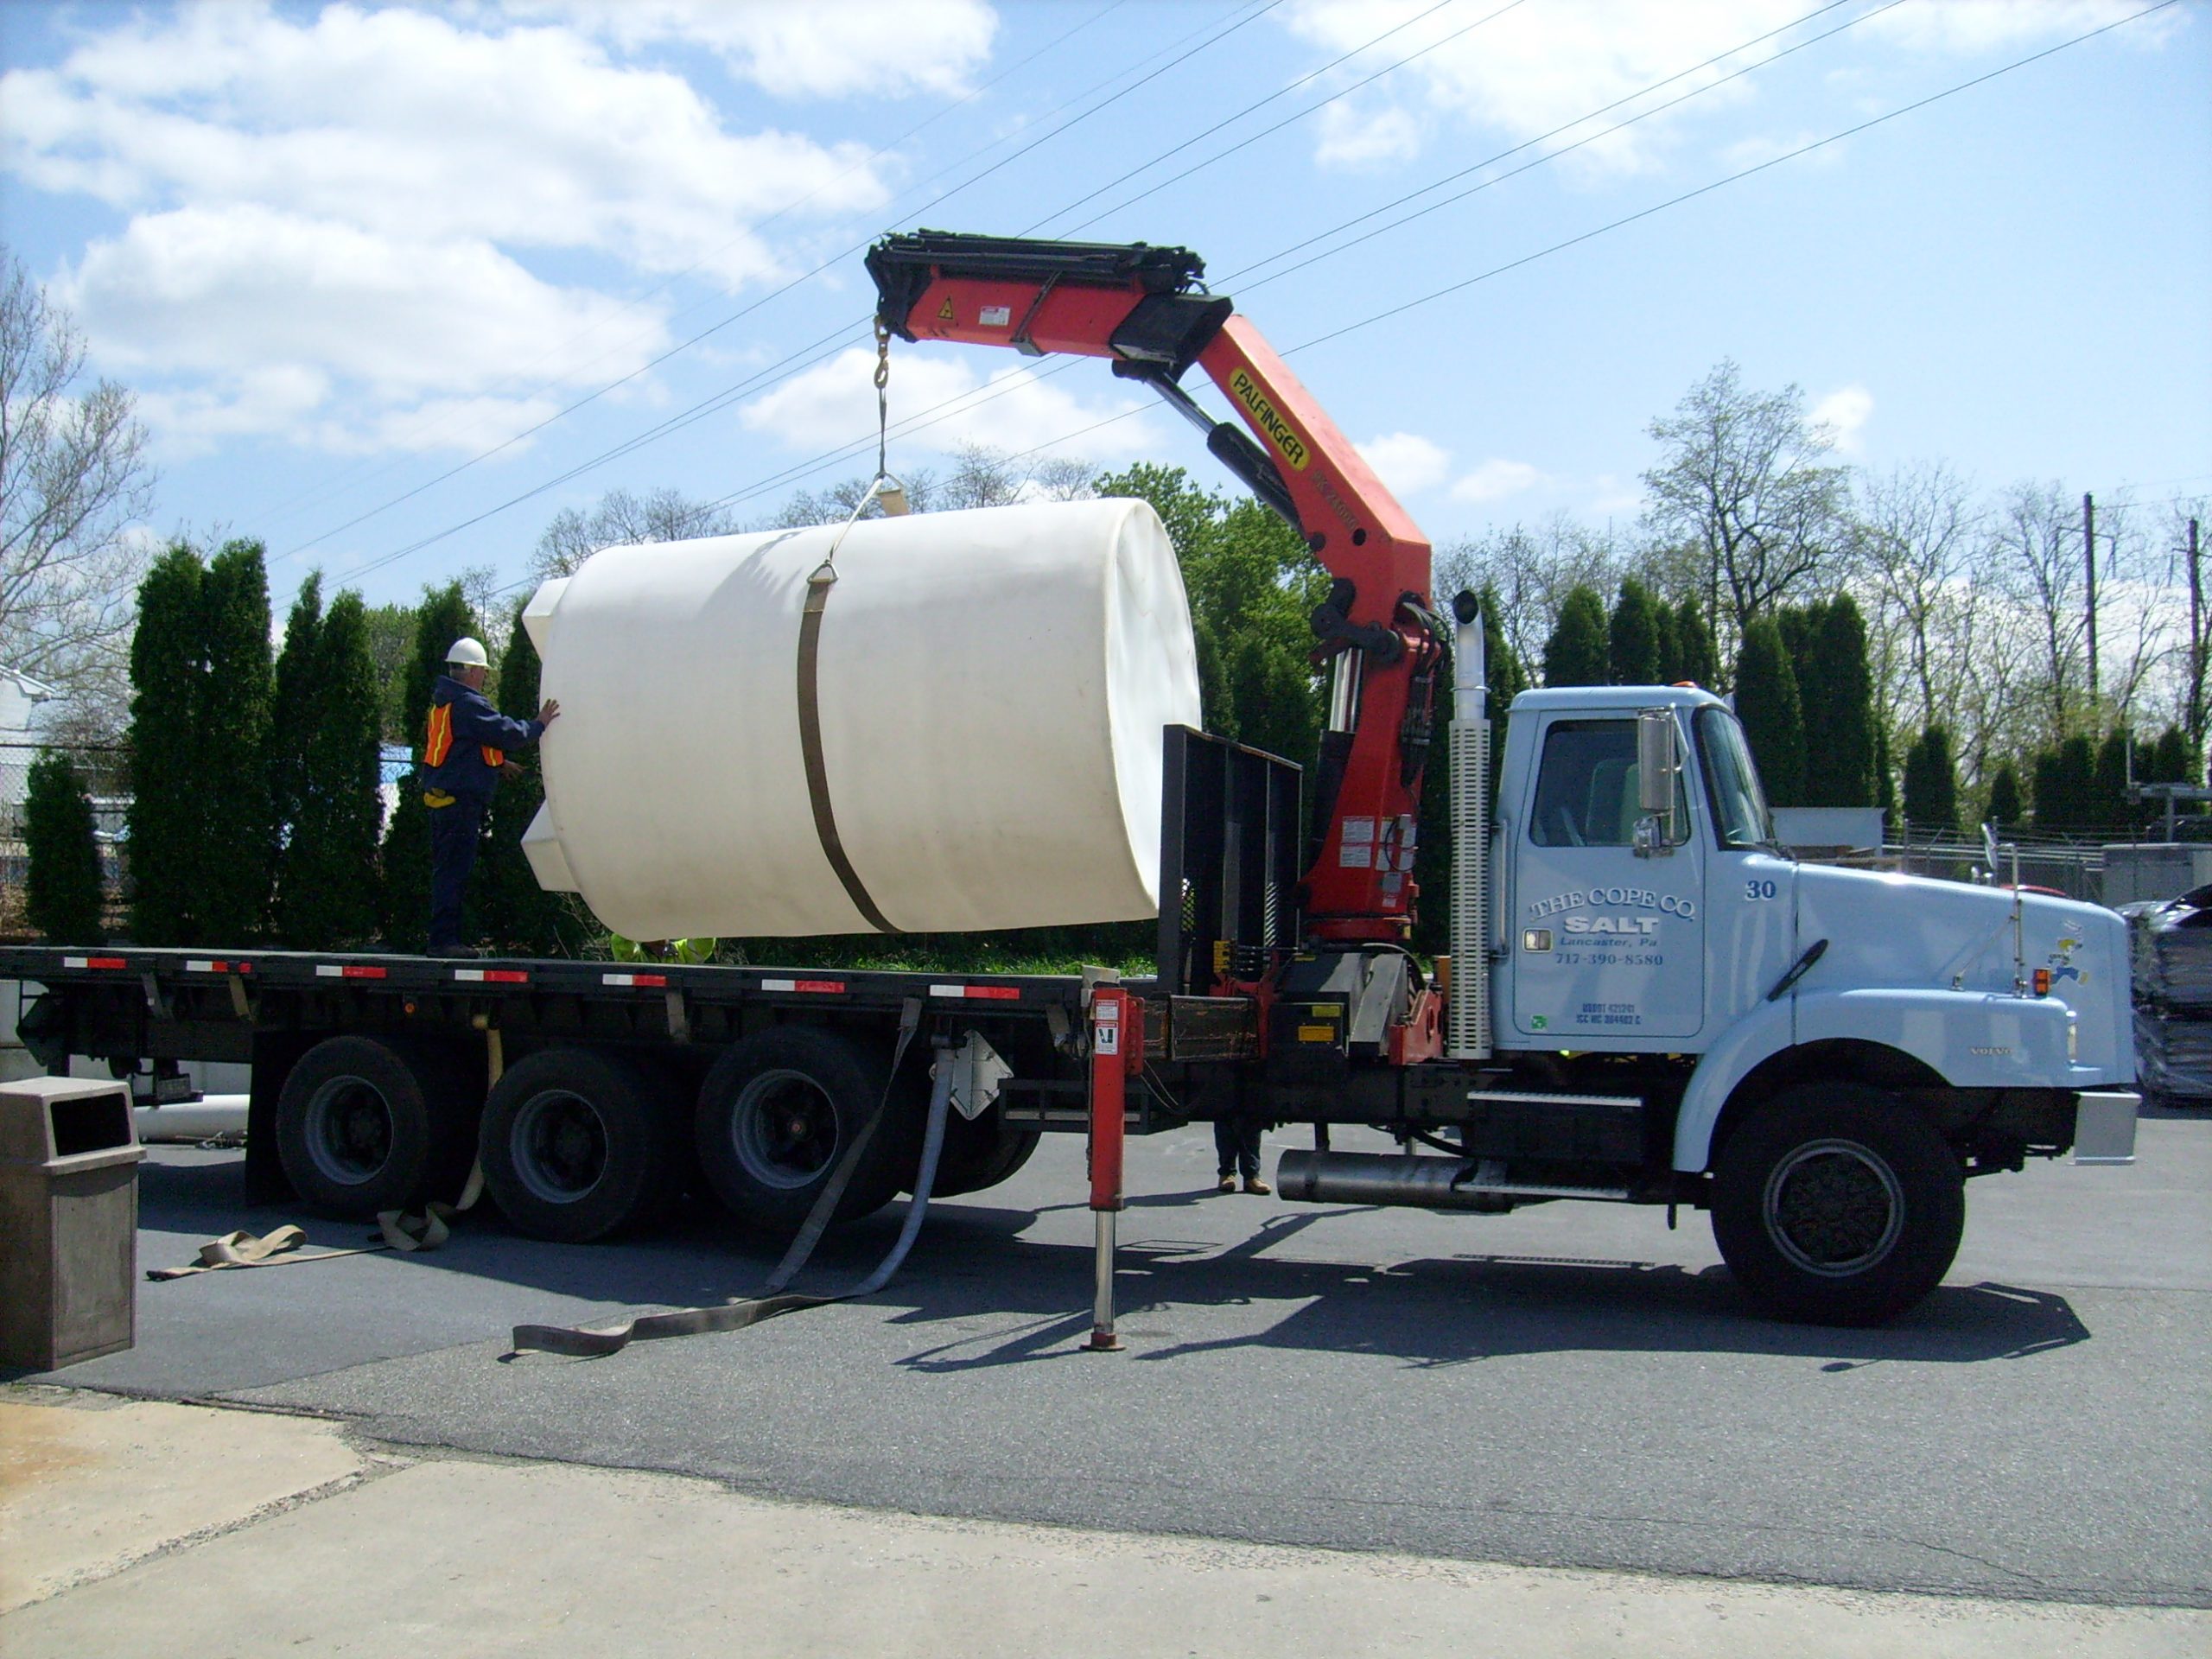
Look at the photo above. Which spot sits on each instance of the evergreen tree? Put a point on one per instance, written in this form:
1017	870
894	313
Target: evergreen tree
443	618
166	835
2172	760
1669	633
2004	807
62	890
1578	651
1838	698
2110	813
2065	786
1931	784
1634	640
1798	623
1696	659
239	852
1766	702
292	717
1885	775
326	894
519	916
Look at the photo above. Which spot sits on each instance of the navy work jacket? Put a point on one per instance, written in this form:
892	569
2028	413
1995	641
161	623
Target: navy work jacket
467	741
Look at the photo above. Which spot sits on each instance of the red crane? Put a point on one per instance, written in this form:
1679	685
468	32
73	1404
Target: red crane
1147	309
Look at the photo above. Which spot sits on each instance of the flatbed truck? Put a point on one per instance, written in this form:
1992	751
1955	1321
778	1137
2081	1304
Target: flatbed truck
1646	1001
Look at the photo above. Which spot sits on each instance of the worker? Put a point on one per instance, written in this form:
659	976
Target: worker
464	757
1236	1149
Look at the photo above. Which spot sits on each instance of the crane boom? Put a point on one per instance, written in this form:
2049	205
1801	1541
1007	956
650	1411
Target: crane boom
1145	308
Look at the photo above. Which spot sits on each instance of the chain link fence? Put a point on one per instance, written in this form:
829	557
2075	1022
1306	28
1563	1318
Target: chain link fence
103	773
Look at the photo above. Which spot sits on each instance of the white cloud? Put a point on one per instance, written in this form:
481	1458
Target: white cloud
1406	462
404	123
1845	414
333	212
1016	409
1366	136
1495	479
270	315
1539	68
1967	25
820	49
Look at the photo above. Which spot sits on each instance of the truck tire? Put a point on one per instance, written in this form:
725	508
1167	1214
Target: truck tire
1836	1205
779	1108
577	1144
980	1153
364	1126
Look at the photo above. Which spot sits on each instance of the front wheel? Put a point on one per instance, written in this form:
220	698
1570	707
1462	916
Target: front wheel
1838	1204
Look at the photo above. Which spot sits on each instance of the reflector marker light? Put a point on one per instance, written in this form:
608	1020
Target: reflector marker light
93	961
832	987
991	993
2043	982
633	979
218	966
347	970
492	976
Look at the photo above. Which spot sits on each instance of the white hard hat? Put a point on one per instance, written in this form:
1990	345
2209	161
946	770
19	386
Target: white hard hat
468	653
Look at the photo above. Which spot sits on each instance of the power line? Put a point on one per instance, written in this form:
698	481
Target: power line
1732	178
514	383
1284	92
834	260
1507	154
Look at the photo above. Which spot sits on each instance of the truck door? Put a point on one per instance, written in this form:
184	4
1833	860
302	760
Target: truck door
1608	946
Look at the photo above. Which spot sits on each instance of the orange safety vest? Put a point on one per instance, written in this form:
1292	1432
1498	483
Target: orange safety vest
438	743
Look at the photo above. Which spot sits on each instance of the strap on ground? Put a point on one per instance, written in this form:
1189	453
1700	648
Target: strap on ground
593	1342
396	1230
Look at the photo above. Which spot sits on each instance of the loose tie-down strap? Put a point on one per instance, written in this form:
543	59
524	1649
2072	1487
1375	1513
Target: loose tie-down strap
596	1341
396	1230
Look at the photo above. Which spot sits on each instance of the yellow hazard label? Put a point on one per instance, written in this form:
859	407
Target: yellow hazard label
944	311
1280	433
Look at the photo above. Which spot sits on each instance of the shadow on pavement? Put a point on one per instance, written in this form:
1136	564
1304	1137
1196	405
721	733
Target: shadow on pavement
974	1263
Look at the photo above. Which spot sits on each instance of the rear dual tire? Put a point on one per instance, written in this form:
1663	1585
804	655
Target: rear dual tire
365	1126
578	1144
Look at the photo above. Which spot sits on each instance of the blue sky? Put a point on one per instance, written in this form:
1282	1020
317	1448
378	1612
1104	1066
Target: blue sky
339	251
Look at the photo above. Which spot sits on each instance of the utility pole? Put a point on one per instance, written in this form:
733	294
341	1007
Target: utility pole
2089	572
2195	643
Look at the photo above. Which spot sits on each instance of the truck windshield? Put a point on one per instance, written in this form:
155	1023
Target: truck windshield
1739	815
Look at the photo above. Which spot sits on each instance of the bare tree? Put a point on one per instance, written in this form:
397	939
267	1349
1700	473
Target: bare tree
981	477
1532	571
2035	546
73	477
1913	547
623	518
1747	481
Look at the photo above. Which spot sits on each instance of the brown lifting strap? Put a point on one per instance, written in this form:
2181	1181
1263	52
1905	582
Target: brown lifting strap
810	740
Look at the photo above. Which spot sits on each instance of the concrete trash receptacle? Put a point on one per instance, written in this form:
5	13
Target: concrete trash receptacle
69	1157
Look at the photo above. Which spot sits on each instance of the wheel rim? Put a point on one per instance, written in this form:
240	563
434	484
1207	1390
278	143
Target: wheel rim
1833	1208
349	1131
783	1129
559	1145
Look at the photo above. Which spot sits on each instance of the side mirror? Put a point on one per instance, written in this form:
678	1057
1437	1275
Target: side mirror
1658	761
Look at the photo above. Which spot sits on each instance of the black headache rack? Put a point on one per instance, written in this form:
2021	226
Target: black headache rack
1229	862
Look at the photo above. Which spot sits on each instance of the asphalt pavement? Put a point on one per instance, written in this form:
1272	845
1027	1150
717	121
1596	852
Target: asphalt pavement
1570	1386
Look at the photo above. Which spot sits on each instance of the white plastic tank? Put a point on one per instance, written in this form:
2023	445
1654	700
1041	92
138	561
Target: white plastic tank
991	688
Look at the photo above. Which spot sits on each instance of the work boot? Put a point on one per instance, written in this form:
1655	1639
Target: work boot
1227	1184
1253	1184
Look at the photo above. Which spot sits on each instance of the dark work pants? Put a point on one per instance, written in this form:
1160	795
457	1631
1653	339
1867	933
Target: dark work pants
454	832
1237	1145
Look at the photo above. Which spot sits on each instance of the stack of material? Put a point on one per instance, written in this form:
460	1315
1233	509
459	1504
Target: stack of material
2173	995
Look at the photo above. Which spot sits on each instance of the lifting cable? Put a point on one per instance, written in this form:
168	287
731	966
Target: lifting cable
594	1342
